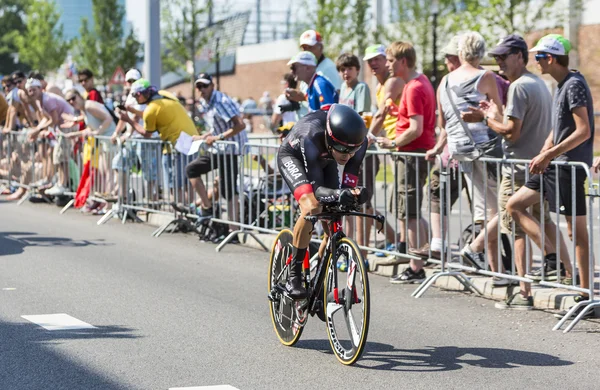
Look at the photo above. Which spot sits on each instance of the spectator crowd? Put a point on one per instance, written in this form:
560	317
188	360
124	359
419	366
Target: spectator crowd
474	113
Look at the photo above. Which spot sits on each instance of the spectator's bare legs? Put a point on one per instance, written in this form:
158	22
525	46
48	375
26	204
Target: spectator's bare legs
517	207
492	249
582	253
550	232
413	225
201	191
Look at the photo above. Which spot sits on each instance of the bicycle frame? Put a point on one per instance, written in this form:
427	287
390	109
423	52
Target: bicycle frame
336	234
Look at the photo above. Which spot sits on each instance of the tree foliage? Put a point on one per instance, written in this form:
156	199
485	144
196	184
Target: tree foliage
344	24
183	35
102	46
12	14
41	44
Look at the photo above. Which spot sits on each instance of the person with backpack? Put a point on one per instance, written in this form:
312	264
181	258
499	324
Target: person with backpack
466	84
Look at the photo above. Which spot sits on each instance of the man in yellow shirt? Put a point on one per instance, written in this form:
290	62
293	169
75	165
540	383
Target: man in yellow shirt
166	115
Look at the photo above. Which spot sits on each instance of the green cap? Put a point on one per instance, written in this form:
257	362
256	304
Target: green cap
140	85
374	51
553	44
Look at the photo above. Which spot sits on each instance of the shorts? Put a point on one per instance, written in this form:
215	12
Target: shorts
565	189
293	172
435	189
172	170
366	175
228	171
505	191
60	154
409	182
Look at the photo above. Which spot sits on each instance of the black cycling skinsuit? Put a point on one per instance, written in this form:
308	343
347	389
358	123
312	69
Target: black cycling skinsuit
306	163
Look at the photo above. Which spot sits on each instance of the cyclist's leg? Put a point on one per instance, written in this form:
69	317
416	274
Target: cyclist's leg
293	172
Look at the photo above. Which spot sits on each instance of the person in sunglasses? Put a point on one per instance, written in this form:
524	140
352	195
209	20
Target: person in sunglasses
572	140
308	160
86	79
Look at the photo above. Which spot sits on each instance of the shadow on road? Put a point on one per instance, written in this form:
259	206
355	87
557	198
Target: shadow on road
379	356
30	360
14	243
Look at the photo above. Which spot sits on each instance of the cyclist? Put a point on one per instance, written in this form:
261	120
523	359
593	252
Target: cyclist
319	147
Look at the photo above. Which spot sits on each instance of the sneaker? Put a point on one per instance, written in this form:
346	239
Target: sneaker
551	274
56	190
516	302
423	252
569	281
473	259
342	265
502	282
408	276
587	316
390	247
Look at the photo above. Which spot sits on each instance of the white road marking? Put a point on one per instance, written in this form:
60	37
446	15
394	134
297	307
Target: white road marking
8	289
59	321
218	387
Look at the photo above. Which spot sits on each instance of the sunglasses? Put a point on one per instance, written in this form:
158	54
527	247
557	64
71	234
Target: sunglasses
542	56
18	81
83	80
202	85
71	100
345	149
293	68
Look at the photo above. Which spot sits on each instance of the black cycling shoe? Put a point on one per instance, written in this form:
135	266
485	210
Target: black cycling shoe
294	286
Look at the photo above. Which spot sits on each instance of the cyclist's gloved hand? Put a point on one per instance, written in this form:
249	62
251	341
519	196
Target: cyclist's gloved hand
347	198
363	196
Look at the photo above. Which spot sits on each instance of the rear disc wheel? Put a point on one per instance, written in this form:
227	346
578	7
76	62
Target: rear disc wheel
287	315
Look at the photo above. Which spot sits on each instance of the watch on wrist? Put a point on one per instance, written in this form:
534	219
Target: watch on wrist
393	144
485	120
222	136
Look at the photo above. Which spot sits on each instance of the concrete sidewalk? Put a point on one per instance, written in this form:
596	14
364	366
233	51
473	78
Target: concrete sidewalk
544	298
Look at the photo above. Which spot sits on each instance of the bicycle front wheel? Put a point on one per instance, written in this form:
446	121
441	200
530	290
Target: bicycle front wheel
286	315
347	302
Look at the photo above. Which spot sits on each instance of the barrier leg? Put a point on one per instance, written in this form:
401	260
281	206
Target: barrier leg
109	214
462	279
24	198
67	206
567	317
234	233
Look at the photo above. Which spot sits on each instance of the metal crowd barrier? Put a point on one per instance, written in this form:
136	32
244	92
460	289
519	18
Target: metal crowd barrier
453	265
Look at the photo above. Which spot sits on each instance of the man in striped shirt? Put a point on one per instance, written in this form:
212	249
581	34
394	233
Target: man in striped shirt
223	117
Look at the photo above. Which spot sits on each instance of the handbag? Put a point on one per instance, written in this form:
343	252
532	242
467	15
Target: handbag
472	151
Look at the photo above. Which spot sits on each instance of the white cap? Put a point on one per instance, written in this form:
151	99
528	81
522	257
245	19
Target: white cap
310	38
33	83
553	44
374	51
133	74
304	58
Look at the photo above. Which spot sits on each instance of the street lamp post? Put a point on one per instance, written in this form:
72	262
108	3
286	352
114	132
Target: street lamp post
435	9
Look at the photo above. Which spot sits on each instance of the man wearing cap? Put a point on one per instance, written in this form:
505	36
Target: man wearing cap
524	129
223	117
165	115
320	93
389	89
53	108
570	141
311	41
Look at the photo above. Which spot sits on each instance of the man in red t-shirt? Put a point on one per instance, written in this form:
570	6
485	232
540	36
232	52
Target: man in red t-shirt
415	133
86	79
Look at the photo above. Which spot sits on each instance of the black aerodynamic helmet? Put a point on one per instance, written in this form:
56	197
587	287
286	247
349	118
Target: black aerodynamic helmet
346	130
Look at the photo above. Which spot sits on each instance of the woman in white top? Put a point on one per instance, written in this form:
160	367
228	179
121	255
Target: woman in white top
464	87
99	122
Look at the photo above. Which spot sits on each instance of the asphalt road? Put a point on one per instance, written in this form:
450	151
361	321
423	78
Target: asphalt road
170	312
